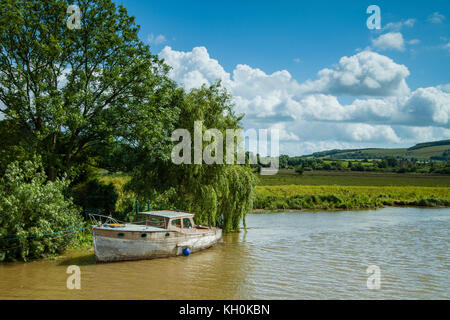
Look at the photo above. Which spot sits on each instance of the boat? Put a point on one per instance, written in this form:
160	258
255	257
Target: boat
163	234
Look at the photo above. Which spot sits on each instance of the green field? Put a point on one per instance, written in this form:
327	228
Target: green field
348	197
350	190
354	178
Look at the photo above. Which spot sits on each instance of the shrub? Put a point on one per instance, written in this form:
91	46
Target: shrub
30	207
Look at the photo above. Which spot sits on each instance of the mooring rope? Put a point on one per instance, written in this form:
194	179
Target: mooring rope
45	235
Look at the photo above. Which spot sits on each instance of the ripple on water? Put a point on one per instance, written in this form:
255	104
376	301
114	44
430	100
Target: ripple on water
280	256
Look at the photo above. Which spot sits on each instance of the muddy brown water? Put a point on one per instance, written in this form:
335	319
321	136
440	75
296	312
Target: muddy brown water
322	255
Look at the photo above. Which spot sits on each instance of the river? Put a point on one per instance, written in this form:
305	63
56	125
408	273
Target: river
291	255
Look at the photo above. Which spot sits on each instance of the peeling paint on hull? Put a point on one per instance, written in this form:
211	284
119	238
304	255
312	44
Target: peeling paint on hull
109	249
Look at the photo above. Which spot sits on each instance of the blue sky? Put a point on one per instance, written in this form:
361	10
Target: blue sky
269	54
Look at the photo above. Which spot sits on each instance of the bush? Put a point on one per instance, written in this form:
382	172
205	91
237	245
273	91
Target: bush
299	170
96	197
30	207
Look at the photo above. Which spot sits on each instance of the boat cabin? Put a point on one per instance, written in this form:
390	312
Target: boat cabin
169	220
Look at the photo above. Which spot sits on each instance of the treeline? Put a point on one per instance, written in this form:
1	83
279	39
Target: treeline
444	157
390	164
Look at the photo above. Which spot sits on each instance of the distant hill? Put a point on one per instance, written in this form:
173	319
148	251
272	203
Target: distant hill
437	150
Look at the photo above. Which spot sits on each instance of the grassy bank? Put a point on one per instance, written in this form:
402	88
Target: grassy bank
348	197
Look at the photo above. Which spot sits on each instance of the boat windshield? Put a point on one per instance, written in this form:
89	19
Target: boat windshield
176	223
187	224
158	222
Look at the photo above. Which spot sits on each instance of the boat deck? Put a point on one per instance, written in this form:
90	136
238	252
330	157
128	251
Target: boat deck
131	227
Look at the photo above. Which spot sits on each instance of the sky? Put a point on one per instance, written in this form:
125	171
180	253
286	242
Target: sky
313	69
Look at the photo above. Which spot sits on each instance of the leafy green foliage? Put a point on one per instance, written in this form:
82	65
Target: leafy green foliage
16	144
31	206
219	194
96	96
73	90
299	170
96	197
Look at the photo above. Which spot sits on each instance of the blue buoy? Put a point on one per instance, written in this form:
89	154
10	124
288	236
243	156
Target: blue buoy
186	251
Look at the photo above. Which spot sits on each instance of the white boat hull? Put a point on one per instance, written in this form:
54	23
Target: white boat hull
109	248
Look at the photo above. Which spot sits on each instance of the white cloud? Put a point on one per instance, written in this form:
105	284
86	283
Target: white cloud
414	41
427	106
159	39
436	17
192	69
444	87
310	116
364	74
390	41
368	133
397	26
412	135
284	135
263	95
423	107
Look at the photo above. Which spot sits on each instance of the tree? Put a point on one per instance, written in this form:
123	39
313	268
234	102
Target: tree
31	207
95	196
392	162
299	169
383	164
96	95
75	89
219	194
16	144
283	160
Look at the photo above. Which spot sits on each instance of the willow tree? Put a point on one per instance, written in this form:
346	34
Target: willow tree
73	88
220	194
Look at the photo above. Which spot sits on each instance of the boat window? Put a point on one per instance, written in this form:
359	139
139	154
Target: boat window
176	223
157	222
143	235
120	235
187	224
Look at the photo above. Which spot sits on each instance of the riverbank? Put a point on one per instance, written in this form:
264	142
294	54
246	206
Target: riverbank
300	197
